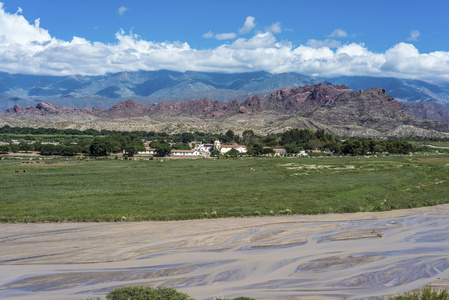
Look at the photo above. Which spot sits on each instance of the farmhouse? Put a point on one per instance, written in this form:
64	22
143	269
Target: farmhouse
222	148
280	151
148	150
302	153
185	153
203	148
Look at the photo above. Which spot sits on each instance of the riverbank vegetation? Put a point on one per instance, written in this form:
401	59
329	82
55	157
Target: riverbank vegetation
166	293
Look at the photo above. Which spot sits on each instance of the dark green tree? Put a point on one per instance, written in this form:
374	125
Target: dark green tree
130	149
268	151
163	149
187	137
48	149
270	140
4	149
291	148
26	147
14	148
248	136
230	134
71	150
37	146
215	153
101	147
233	153
256	150
180	146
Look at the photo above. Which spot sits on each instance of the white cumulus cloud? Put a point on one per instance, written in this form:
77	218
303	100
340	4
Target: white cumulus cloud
248	26
225	36
122	10
338	33
208	35
274	28
414	35
27	48
323	43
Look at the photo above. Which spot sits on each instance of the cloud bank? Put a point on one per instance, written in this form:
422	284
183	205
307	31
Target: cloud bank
27	48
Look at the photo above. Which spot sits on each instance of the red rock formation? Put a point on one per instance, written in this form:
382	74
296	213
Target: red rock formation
325	103
125	109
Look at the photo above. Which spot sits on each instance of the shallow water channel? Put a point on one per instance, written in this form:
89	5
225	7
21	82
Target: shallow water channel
332	256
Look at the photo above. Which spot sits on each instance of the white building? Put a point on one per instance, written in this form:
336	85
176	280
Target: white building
148	150
280	151
227	148
185	153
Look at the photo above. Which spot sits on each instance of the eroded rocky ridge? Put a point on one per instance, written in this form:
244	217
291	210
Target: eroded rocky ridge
326	105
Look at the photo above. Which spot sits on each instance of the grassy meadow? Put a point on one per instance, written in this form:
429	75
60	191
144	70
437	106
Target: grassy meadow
57	189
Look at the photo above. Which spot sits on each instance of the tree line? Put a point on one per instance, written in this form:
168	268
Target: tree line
105	142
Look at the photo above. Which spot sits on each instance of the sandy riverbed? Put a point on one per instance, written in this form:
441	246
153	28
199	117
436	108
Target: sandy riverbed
333	256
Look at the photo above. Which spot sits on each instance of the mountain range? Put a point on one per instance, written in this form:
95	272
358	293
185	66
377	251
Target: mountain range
337	108
150	87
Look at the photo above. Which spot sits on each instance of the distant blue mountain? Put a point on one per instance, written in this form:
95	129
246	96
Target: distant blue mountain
401	89
149	87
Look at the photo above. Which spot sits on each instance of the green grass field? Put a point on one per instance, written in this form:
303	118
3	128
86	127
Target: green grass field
56	189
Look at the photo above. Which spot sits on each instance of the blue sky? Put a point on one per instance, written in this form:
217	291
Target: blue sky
408	39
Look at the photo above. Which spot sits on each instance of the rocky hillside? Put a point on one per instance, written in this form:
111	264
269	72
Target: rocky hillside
150	87
335	107
428	110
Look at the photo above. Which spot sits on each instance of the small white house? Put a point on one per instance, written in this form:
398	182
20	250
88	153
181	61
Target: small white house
148	150
202	148
185	153
302	153
227	148
280	151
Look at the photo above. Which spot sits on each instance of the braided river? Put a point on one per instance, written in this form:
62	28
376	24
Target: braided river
334	256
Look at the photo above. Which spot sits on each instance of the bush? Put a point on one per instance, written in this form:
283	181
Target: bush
4	149
427	293
142	293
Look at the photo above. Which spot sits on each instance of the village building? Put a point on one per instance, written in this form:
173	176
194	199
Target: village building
203	148
148	150
280	151
185	153
301	153
222	148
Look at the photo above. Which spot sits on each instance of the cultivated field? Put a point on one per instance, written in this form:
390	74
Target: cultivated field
57	189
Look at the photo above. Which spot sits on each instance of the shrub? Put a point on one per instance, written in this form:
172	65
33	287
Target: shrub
142	293
427	293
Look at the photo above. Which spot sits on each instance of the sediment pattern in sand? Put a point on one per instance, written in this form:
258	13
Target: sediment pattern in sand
309	257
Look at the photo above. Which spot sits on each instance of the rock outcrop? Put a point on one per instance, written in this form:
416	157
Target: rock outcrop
43	108
126	109
326	104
